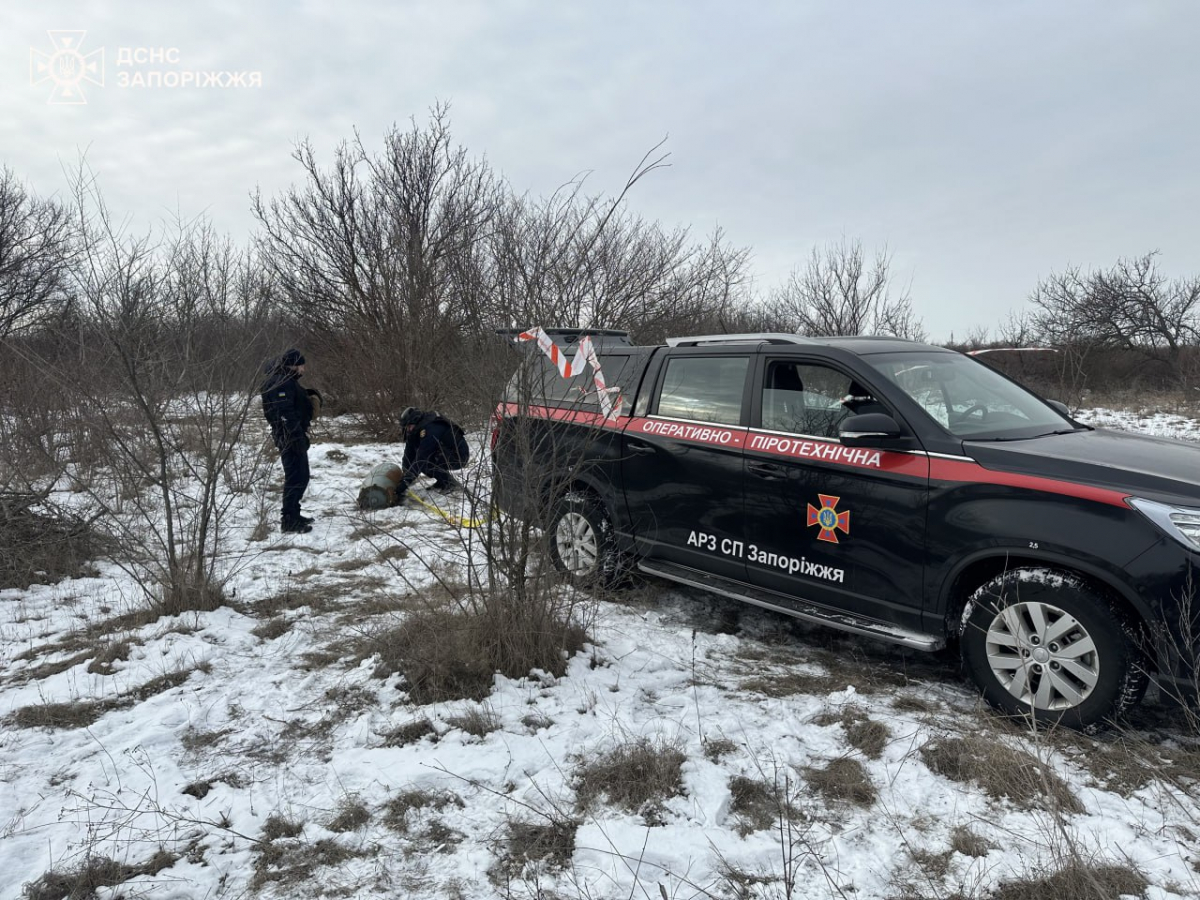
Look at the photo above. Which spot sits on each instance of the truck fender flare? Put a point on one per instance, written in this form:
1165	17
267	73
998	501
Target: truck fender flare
1025	556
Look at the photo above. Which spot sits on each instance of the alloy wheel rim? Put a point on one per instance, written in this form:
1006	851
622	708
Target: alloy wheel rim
1043	656
577	545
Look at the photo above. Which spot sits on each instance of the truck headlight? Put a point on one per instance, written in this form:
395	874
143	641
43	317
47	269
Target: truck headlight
1180	522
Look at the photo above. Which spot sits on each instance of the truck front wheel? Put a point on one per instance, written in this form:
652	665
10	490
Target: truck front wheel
581	541
1043	643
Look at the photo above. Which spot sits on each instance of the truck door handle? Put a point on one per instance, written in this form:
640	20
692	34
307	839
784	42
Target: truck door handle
637	447
767	470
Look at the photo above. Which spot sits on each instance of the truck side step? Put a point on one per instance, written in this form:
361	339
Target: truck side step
791	606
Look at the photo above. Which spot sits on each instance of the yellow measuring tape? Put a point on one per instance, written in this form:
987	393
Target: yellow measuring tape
456	521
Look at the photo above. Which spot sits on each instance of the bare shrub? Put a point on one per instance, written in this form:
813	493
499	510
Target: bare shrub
842	779
638	775
40	541
1001	770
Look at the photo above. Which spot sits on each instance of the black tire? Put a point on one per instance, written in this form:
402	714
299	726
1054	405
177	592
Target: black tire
1042	642
580	537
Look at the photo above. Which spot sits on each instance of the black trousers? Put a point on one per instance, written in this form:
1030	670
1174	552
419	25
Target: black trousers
295	479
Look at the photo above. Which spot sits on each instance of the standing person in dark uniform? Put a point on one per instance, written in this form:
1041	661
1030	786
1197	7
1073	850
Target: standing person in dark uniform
433	445
289	410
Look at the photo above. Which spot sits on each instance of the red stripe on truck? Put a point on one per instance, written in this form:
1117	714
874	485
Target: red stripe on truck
803	449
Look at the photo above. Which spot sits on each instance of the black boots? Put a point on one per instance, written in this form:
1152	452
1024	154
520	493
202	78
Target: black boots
297	526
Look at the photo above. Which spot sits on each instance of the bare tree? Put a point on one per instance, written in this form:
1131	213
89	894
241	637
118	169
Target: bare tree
159	370
37	246
375	258
841	292
583	260
1131	306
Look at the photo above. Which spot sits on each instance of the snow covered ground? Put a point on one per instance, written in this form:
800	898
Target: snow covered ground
254	747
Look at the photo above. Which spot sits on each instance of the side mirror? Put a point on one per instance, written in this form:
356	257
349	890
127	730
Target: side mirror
1060	407
868	430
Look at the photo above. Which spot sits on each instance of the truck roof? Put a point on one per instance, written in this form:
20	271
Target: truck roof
858	344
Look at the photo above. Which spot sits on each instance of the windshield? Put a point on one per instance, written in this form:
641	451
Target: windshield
968	399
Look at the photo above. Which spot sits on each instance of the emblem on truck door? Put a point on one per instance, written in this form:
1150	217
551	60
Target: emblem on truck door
828	517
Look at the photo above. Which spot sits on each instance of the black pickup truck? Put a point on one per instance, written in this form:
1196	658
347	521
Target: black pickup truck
892	489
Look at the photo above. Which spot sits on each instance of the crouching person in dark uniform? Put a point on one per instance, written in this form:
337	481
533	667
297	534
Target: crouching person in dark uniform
434	446
289	411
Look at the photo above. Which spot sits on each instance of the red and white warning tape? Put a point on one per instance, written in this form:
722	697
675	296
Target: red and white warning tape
610	398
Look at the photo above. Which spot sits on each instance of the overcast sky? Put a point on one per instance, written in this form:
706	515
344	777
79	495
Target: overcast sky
985	144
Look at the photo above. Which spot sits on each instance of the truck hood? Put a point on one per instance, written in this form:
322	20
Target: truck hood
1157	468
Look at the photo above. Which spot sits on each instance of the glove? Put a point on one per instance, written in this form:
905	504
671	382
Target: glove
317	401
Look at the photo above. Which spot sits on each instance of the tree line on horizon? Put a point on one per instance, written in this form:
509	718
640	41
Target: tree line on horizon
395	266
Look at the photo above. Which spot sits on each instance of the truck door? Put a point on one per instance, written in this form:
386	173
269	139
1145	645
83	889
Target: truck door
839	526
682	462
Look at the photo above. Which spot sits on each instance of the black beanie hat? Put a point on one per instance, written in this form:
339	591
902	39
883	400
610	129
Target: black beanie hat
292	357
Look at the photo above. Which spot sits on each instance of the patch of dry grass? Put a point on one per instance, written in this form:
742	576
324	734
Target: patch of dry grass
863	733
410	733
1077	881
965	841
401	810
454	653
548	843
284	860
479	721
195	740
395	552
789	684
715	748
758	804
536	721
352	815
638	775
868	736
843	779
95	873
109	653
82	713
271	629
1001	770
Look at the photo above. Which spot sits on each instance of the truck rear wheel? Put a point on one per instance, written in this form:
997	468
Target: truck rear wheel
581	541
1042	643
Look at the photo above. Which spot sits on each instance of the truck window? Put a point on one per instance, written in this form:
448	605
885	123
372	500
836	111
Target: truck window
809	399
538	383
704	388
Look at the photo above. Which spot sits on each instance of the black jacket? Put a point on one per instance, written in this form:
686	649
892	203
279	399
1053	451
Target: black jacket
435	443
286	406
